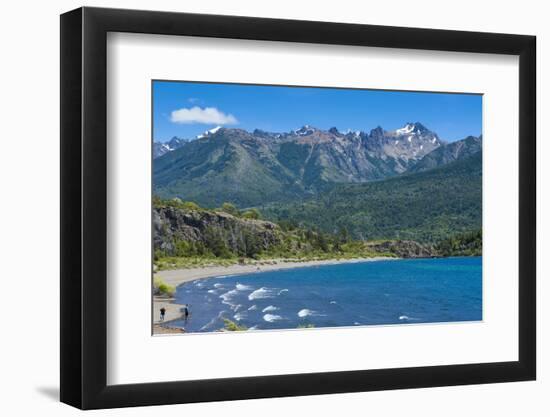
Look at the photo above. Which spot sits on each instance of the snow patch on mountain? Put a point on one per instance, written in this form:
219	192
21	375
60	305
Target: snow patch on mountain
408	128
304	130
209	132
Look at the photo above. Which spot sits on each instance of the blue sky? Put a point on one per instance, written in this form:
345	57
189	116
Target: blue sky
186	109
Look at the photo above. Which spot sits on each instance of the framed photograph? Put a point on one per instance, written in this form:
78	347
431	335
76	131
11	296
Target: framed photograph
257	208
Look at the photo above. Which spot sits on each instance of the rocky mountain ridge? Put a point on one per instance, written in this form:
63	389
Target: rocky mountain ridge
251	168
448	153
162	148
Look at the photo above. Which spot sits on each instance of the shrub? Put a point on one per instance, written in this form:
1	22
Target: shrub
252	214
176	203
189	205
159	254
231	326
230	209
162	288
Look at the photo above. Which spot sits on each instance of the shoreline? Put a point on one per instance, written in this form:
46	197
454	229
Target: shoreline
177	277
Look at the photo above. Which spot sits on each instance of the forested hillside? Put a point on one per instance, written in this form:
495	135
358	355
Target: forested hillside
427	206
188	235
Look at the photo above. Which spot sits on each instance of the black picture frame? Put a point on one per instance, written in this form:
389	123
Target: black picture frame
84	207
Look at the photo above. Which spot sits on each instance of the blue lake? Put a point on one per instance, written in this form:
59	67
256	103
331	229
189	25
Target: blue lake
353	294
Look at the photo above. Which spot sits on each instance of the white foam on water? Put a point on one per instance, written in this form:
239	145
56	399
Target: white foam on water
333	302
282	291
271	317
213	321
235	307
254	307
261	293
270	308
242	287
212	291
240	316
305	312
356	323
407	318
228	295
218	285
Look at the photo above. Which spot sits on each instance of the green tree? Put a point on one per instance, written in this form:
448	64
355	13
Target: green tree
215	242
343	235
322	242
252	244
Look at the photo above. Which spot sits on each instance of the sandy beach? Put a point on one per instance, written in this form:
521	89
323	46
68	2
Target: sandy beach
173	310
177	277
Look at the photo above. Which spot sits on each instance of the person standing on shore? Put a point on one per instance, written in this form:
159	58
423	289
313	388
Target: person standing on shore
185	312
162	313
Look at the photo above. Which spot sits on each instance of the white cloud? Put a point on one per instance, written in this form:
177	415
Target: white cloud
207	116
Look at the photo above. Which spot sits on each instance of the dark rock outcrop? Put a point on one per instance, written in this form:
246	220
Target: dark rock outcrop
172	224
405	249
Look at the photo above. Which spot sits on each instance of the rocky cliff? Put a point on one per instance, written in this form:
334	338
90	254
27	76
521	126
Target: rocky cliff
405	249
172	225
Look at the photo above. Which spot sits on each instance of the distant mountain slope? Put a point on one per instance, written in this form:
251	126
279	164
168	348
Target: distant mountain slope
253	168
229	166
425	206
162	148
448	153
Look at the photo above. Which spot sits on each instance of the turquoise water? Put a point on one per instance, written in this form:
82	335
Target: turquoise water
354	294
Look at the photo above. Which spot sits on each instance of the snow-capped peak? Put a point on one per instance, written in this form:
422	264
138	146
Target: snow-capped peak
355	133
412	129
305	130
209	132
408	128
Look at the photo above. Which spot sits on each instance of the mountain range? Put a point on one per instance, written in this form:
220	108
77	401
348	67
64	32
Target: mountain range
161	148
258	168
449	153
